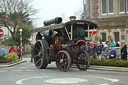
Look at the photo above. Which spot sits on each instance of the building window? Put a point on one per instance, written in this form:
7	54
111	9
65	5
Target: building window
107	7
104	9
127	5
110	6
103	35
116	36
123	6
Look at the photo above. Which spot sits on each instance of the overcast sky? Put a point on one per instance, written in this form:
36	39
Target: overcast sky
49	9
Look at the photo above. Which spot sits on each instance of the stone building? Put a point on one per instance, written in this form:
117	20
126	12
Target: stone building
111	17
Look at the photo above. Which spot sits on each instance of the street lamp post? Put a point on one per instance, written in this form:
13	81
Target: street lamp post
21	41
84	9
89	8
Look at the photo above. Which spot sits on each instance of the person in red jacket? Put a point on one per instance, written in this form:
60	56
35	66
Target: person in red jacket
19	52
11	50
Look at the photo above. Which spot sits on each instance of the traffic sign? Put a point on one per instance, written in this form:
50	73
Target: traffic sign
1	32
92	31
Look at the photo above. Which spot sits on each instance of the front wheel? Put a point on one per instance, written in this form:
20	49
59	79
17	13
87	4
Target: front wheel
83	61
63	60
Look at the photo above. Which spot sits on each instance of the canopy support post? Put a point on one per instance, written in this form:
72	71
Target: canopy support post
88	31
67	33
71	30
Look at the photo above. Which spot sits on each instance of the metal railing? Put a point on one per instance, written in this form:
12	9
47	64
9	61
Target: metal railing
118	52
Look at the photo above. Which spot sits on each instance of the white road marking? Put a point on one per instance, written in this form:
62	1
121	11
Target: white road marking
21	81
112	80
23	67
103	84
16	70
30	70
66	80
104	78
3	70
91	70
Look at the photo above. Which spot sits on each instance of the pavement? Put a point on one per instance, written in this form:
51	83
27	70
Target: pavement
26	58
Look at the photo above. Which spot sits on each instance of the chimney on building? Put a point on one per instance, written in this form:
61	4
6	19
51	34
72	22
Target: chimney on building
72	18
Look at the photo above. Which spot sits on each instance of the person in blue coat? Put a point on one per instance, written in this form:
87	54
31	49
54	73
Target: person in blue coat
113	53
3	50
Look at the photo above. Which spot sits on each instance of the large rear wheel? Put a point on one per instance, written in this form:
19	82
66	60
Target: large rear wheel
63	60
40	49
83	61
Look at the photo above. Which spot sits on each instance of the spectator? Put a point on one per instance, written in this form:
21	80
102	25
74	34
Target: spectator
3	50
127	51
117	44
11	50
113	53
102	53
112	43
92	44
107	53
93	49
98	50
123	51
17	49
106	44
19	52
100	40
32	52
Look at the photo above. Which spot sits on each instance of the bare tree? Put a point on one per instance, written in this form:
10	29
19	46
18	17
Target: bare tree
14	13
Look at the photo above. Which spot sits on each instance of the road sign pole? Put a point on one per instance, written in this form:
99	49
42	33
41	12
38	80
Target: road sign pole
1	34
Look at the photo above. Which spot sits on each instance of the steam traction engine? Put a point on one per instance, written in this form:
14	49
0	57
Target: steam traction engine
64	43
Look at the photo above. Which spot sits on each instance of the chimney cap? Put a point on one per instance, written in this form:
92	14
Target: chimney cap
72	17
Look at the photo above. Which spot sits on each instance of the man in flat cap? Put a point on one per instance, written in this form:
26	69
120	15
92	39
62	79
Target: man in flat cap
123	51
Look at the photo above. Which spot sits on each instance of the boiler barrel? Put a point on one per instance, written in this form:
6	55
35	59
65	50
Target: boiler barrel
56	20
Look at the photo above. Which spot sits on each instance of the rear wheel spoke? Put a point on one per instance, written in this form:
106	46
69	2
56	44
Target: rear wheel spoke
36	49
38	61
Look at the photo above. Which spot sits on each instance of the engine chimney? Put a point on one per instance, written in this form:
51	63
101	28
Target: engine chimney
56	20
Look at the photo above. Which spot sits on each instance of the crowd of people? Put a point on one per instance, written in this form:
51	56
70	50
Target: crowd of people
18	50
99	50
108	51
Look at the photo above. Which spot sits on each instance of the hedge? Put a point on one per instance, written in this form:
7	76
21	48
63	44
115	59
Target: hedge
110	62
